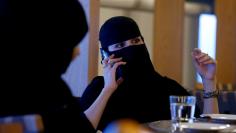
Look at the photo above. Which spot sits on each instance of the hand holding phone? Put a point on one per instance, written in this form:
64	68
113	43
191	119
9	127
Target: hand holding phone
105	55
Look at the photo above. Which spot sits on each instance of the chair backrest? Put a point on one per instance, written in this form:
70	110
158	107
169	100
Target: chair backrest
226	99
11	127
31	123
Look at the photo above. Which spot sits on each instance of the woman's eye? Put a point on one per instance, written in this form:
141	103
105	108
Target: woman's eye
134	41
120	45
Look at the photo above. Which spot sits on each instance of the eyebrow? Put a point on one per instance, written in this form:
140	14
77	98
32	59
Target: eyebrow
124	43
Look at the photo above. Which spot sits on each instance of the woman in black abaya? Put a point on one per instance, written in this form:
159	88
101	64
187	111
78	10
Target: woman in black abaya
37	41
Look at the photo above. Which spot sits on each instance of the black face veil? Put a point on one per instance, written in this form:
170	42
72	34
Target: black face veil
118	29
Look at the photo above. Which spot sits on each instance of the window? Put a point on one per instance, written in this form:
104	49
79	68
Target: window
207	36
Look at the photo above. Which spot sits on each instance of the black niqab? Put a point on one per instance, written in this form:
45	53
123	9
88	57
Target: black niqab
139	66
118	29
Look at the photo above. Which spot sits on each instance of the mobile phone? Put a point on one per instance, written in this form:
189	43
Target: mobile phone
119	70
104	54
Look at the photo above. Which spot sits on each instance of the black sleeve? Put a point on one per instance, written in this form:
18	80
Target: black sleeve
69	118
92	92
176	89
84	124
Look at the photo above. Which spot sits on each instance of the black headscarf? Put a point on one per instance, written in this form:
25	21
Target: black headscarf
118	29
37	39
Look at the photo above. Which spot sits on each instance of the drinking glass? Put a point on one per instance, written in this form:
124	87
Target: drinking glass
182	108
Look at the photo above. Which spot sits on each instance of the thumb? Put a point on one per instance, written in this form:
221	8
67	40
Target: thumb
194	59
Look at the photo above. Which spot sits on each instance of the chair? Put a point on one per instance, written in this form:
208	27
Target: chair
31	123
11	128
226	99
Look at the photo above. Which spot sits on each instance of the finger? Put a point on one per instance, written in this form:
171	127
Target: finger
114	60
202	55
194	59
204	58
209	62
118	64
196	52
197	49
120	80
204	61
112	56
105	61
111	62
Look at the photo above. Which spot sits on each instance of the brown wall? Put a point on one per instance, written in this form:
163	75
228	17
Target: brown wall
226	40
168	37
93	38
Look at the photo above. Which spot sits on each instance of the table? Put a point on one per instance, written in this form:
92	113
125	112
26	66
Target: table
165	126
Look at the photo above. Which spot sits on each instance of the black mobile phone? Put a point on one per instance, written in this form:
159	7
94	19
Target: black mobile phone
105	54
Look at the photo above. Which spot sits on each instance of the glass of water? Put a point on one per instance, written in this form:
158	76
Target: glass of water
182	108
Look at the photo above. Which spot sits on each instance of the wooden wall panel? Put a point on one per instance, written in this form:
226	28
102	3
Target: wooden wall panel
168	37
226	40
93	39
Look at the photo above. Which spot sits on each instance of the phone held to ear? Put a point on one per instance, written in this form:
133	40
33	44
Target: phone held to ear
104	54
119	70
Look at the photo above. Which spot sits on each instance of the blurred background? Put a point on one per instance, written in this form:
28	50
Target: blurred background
143	11
171	30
